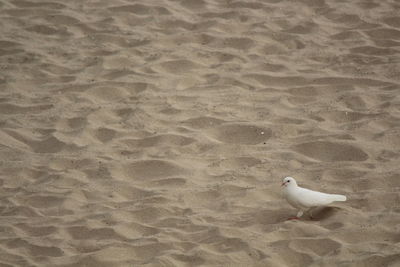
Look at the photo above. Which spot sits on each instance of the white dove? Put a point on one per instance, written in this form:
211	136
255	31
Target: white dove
304	199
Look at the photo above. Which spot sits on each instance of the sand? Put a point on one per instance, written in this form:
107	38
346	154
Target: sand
156	133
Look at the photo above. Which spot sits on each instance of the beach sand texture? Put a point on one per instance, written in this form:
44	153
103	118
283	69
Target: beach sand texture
156	133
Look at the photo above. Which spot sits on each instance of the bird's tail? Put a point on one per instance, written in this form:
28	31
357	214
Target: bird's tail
338	197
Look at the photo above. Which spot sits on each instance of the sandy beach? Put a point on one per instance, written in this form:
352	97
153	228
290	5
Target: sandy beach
156	133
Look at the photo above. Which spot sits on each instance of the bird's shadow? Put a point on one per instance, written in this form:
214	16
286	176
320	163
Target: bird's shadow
321	213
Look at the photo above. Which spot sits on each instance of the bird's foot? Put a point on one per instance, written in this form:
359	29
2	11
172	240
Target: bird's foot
293	218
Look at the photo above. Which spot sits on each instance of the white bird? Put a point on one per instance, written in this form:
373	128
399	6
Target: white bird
304	199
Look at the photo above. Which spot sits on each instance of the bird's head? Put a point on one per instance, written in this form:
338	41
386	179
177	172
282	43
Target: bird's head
289	182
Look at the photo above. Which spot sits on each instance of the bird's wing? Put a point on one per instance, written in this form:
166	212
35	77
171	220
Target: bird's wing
310	198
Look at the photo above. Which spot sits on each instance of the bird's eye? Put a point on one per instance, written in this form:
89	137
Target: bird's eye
288	181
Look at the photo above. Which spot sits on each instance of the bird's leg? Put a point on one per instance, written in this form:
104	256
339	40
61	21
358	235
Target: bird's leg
310	213
299	214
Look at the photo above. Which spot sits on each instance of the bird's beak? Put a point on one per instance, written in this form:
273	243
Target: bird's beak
283	184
